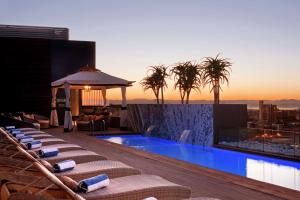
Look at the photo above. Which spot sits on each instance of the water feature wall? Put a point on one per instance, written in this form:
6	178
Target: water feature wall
189	123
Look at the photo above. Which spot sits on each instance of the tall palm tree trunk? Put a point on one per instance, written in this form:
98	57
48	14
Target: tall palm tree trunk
187	96
157	96
217	92
182	100
162	96
182	95
216	97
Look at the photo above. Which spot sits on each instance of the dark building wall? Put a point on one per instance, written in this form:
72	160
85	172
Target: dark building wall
229	119
68	56
28	66
25	67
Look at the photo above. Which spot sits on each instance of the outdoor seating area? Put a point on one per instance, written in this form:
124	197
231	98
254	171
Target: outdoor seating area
36	163
88	78
93	122
43	121
27	119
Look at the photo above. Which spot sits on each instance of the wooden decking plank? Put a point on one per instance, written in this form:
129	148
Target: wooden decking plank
203	182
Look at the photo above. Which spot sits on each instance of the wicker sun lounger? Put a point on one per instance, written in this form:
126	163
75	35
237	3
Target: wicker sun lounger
46	141
79	156
8	148
113	169
41	136
36	134
27	129
41	187
33	132
61	147
17	181
135	187
139	187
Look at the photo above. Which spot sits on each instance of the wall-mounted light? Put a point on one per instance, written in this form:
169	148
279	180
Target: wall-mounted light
87	87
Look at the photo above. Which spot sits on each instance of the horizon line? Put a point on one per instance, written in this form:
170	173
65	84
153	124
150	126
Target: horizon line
212	99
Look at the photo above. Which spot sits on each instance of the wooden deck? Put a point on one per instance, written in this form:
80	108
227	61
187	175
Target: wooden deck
110	131
203	182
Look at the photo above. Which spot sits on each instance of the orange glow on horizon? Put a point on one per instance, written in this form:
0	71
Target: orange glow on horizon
231	93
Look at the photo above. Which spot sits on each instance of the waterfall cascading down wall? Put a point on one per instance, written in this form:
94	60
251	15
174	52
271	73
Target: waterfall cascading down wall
201	124
170	120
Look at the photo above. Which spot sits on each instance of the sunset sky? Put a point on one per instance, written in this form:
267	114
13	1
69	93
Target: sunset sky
261	37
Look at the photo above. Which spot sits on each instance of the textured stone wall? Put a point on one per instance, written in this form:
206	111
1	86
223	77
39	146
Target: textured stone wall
170	120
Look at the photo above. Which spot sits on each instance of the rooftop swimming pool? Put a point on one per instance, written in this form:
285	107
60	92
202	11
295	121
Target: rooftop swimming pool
275	171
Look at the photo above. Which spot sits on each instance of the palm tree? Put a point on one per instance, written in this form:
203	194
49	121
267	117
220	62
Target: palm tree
187	76
216	71
150	82
178	71
160	74
193	78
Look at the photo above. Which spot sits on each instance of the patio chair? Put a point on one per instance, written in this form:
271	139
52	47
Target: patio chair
47	141
113	169
133	187
44	137
61	147
28	129
41	136
33	132
35	118
79	156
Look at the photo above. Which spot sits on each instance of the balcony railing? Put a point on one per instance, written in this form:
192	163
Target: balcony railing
281	143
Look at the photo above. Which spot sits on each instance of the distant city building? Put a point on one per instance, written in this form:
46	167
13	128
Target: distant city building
268	113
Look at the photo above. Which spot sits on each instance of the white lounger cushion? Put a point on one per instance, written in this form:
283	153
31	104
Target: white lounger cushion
33	132
61	146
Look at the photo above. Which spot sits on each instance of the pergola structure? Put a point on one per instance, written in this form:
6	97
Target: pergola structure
89	78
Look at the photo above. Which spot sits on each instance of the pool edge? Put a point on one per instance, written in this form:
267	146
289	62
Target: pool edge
270	189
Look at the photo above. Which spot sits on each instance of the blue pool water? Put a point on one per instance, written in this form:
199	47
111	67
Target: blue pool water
270	170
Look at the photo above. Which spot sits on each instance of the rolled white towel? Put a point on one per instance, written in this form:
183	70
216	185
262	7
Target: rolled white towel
150	198
25	139
15	131
19	135
64	166
34	144
48	152
9	127
93	183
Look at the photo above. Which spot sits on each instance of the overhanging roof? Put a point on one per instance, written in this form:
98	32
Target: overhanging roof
96	79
